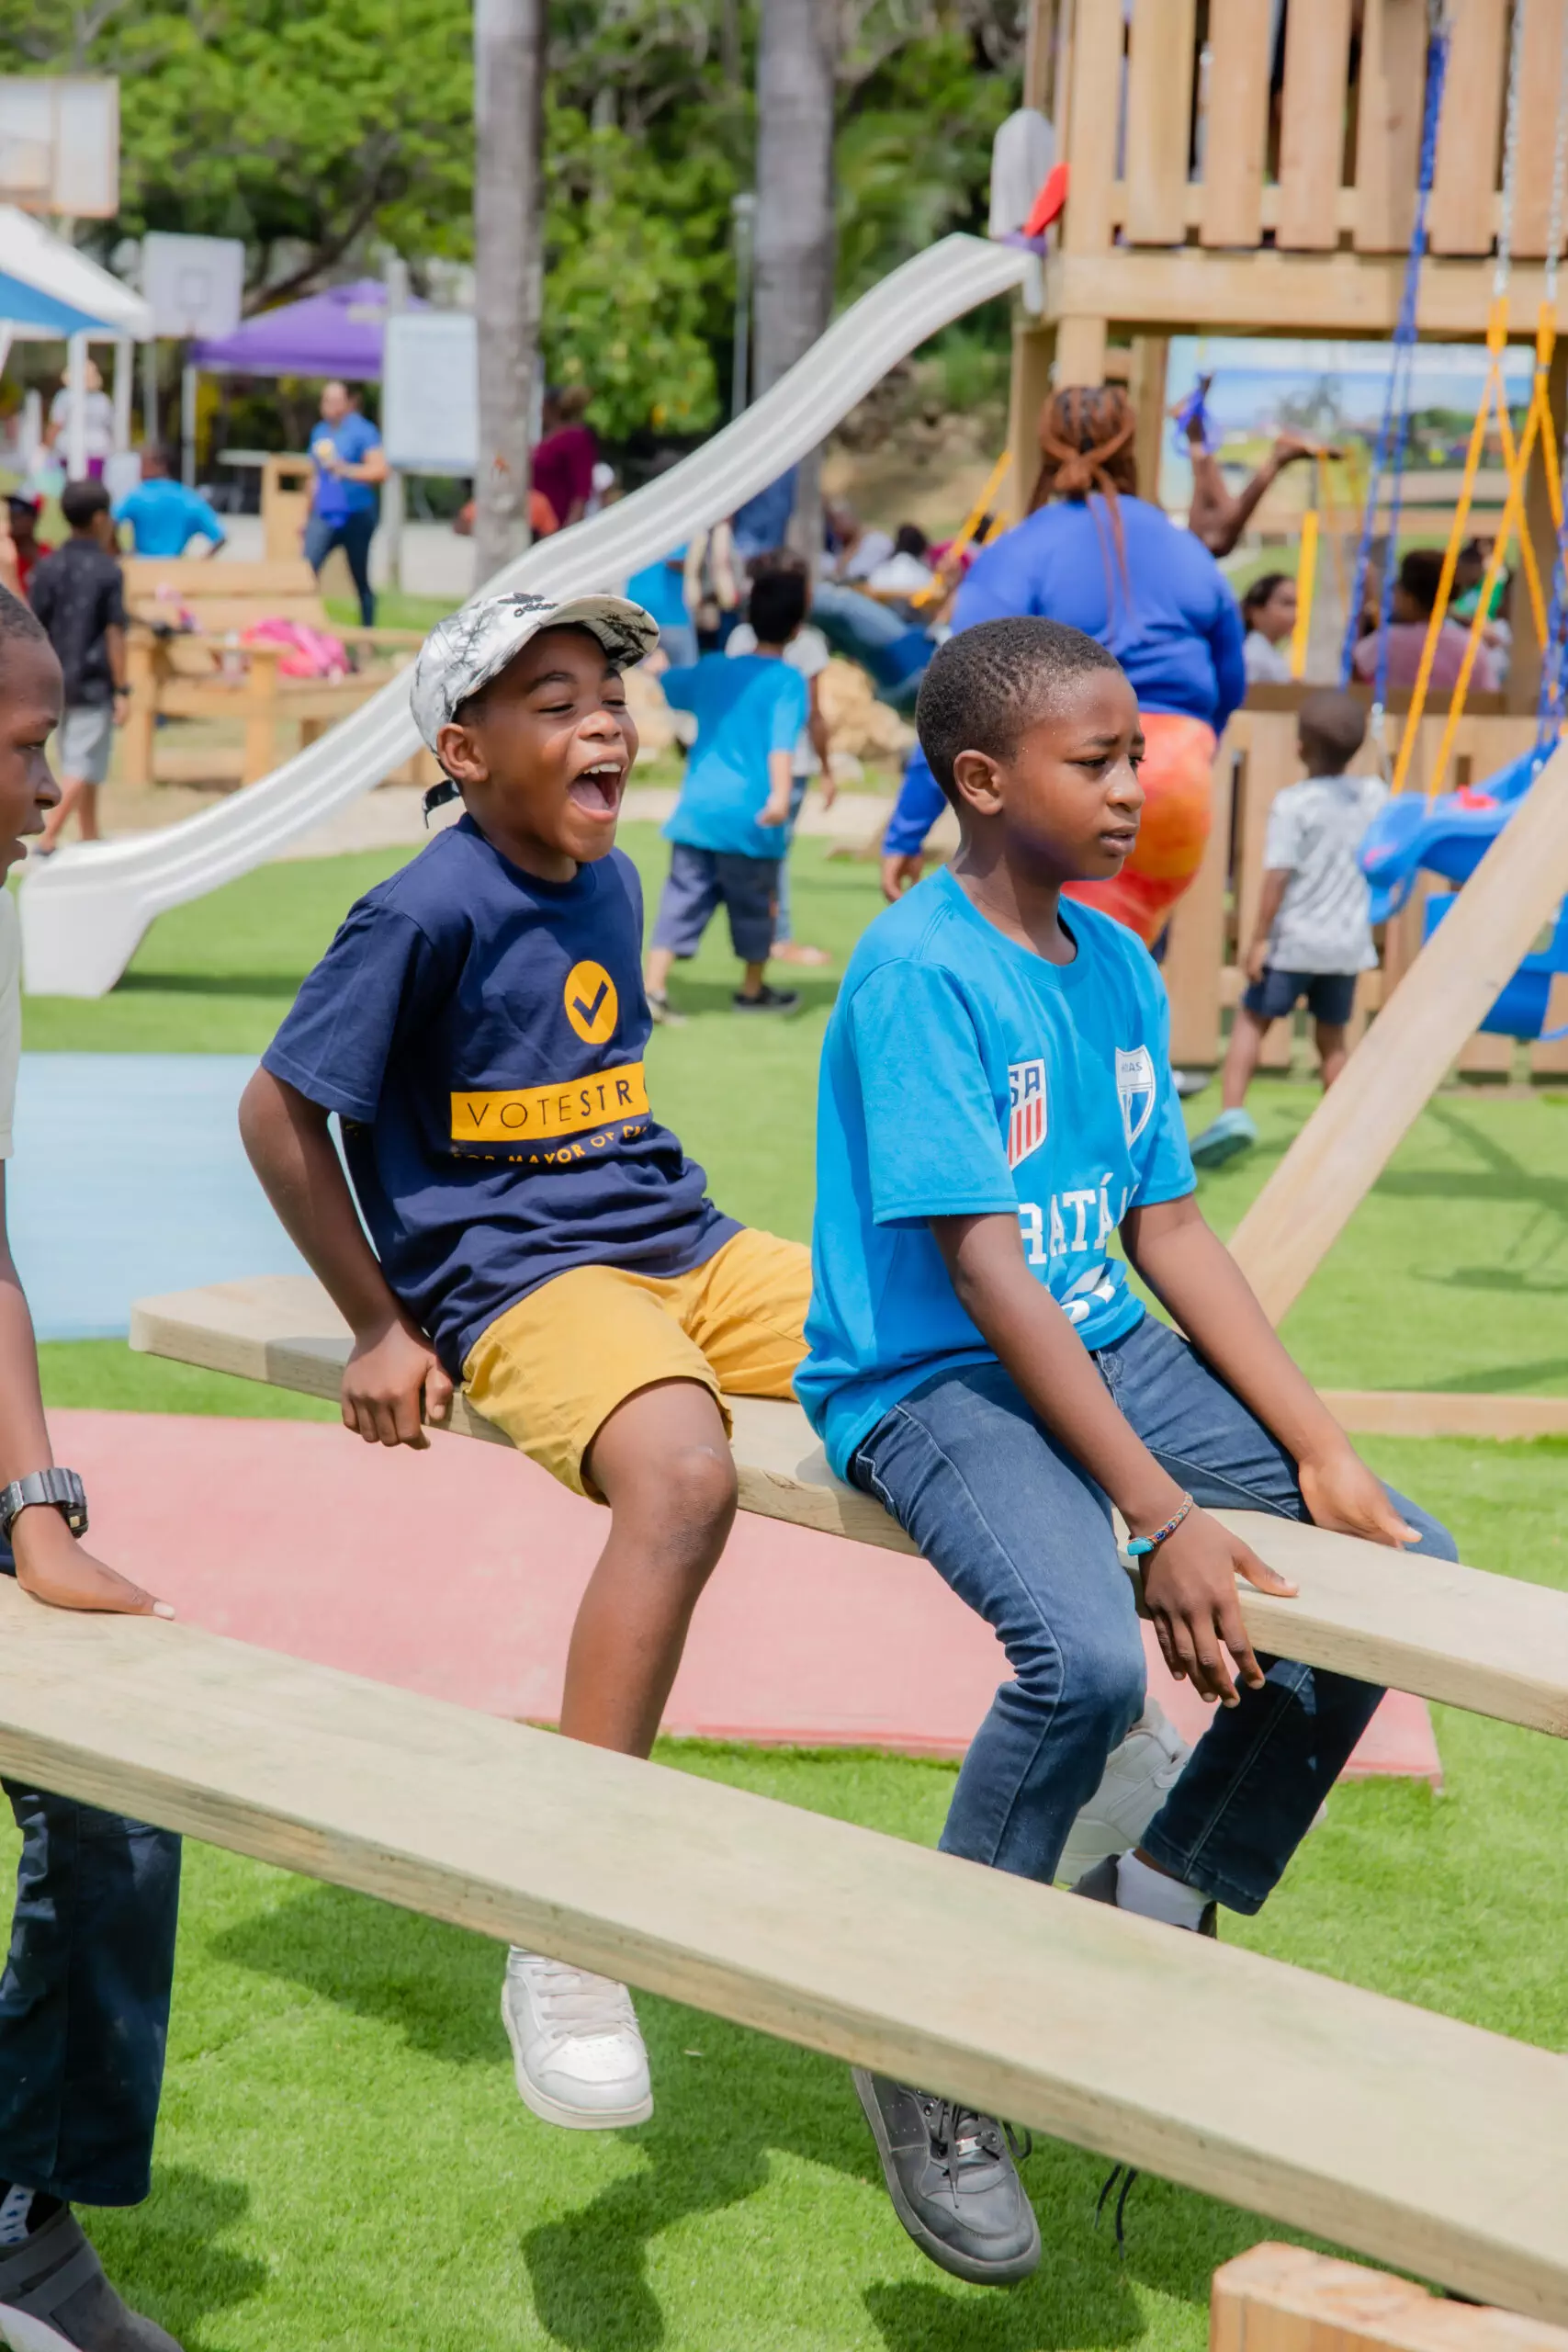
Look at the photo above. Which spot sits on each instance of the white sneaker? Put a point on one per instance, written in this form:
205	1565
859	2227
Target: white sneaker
1139	1777
579	2056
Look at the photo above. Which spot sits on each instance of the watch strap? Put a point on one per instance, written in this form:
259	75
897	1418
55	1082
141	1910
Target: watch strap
62	1488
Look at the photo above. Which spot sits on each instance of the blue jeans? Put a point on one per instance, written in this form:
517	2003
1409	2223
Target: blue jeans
1019	1528
896	655
85	1998
352	534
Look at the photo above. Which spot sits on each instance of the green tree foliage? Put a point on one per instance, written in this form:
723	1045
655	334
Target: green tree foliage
316	128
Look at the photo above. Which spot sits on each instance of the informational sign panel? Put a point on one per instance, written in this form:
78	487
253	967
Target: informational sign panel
60	145
194	285
430	420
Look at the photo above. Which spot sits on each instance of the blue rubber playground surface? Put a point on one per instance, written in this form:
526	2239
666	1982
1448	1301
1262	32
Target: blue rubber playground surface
130	1179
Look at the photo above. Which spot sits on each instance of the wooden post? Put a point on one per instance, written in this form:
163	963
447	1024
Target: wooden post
260	706
141	670
1341	1151
1524	670
1034	352
1098	36
1151	354
1284	2298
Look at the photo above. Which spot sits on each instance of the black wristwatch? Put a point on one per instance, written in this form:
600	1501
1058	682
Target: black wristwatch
64	1489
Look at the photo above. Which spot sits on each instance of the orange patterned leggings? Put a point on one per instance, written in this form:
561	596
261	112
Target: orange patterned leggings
1177	765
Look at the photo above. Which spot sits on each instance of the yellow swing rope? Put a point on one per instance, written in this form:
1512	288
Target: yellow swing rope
1306	581
1516	458
971	524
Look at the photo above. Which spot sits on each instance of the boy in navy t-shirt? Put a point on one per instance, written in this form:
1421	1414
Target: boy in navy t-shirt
479	1026
731	829
997	1109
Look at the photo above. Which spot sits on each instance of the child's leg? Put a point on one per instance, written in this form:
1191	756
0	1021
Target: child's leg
1333	1049
87	813
1023	1535
749	886
1247	1032
1262	1769
686	907
663	1463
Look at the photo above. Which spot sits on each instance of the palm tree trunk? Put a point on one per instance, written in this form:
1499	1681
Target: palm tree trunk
796	243
508	82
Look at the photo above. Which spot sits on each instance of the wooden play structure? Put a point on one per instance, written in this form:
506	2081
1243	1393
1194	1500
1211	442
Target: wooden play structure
1222	181
1286	2299
207	673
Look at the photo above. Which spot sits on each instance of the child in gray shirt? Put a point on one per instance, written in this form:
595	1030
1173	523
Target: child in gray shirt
1312	935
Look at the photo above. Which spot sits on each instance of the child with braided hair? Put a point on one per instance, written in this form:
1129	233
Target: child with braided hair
1094	555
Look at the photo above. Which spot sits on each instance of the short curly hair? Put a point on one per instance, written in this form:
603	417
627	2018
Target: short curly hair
18	620
989	684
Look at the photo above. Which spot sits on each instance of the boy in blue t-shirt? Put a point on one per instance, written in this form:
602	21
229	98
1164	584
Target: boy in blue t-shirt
997	1109
530	1229
731	829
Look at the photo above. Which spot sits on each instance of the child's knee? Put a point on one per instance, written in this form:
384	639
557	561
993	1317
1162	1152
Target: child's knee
1096	1677
688	1496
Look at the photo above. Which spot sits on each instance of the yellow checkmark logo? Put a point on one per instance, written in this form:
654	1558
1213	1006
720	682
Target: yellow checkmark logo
591	1004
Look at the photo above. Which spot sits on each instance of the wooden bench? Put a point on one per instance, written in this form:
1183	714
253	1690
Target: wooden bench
180	673
1493	1644
1412	2139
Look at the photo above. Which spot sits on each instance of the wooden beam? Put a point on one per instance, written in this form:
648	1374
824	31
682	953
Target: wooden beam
1388	123
1285	2298
1447	991
1188	291
1395	1412
1312	131
1033	357
1237	121
1408	2137
1540	84
1159	113
1459	215
1494	1644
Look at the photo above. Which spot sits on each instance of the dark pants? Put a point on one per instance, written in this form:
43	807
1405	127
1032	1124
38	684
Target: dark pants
1021	1533
352	534
85	1998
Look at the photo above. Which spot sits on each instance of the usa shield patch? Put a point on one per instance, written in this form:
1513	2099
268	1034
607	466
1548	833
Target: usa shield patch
1135	1089
1026	1110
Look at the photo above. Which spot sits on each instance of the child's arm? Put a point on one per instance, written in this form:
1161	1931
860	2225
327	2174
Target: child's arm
392	1368
1269	899
781	780
1190	1582
51	1564
1191	1272
821	742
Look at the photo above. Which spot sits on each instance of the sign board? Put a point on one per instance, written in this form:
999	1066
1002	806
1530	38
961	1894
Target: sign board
194	283
60	145
430	393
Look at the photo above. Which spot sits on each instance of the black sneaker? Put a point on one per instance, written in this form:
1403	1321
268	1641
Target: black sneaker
952	2181
53	2294
767	999
1100	1885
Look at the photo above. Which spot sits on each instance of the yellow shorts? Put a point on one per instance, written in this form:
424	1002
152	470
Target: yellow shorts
553	1368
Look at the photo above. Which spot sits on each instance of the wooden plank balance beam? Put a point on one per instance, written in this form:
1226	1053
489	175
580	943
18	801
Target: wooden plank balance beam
1493	1644
1412	2139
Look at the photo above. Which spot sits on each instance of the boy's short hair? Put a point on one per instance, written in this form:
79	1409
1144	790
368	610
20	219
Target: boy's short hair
80	501
1332	725
777	606
1420	574
18	620
986	687
909	539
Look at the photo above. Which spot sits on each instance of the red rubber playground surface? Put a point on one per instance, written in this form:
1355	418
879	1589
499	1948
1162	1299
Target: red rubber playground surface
456	1572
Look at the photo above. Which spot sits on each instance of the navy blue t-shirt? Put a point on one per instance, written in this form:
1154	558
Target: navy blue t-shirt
480	1036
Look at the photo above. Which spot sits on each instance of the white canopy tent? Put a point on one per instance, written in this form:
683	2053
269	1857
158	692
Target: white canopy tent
36	257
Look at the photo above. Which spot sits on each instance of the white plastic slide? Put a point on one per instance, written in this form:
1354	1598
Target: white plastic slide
84	912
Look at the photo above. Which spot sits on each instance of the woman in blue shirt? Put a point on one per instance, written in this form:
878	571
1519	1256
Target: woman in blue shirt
350	463
1093	554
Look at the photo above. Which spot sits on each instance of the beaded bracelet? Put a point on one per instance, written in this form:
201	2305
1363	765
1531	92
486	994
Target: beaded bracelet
1141	1545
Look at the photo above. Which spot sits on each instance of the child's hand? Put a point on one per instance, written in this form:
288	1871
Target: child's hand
389	1374
775	809
1258	961
900	871
1342	1494
1189	1592
60	1572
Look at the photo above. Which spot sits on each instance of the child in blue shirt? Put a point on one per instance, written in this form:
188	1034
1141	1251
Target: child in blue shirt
997	1109
731	827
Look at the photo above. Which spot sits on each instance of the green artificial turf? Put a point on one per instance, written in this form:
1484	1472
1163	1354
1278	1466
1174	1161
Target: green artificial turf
343	2160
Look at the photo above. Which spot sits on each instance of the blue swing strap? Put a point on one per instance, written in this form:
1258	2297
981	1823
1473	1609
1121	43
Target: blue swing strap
1394	430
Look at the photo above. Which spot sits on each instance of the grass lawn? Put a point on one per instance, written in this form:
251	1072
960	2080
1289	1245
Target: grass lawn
342	2159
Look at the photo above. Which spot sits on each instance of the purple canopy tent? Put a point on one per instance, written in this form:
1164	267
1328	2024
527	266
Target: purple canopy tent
334	334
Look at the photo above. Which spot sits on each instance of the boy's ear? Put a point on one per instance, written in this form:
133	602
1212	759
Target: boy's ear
977	778
460	756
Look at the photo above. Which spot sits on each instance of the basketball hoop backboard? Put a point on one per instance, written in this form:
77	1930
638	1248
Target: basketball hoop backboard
194	284
60	145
